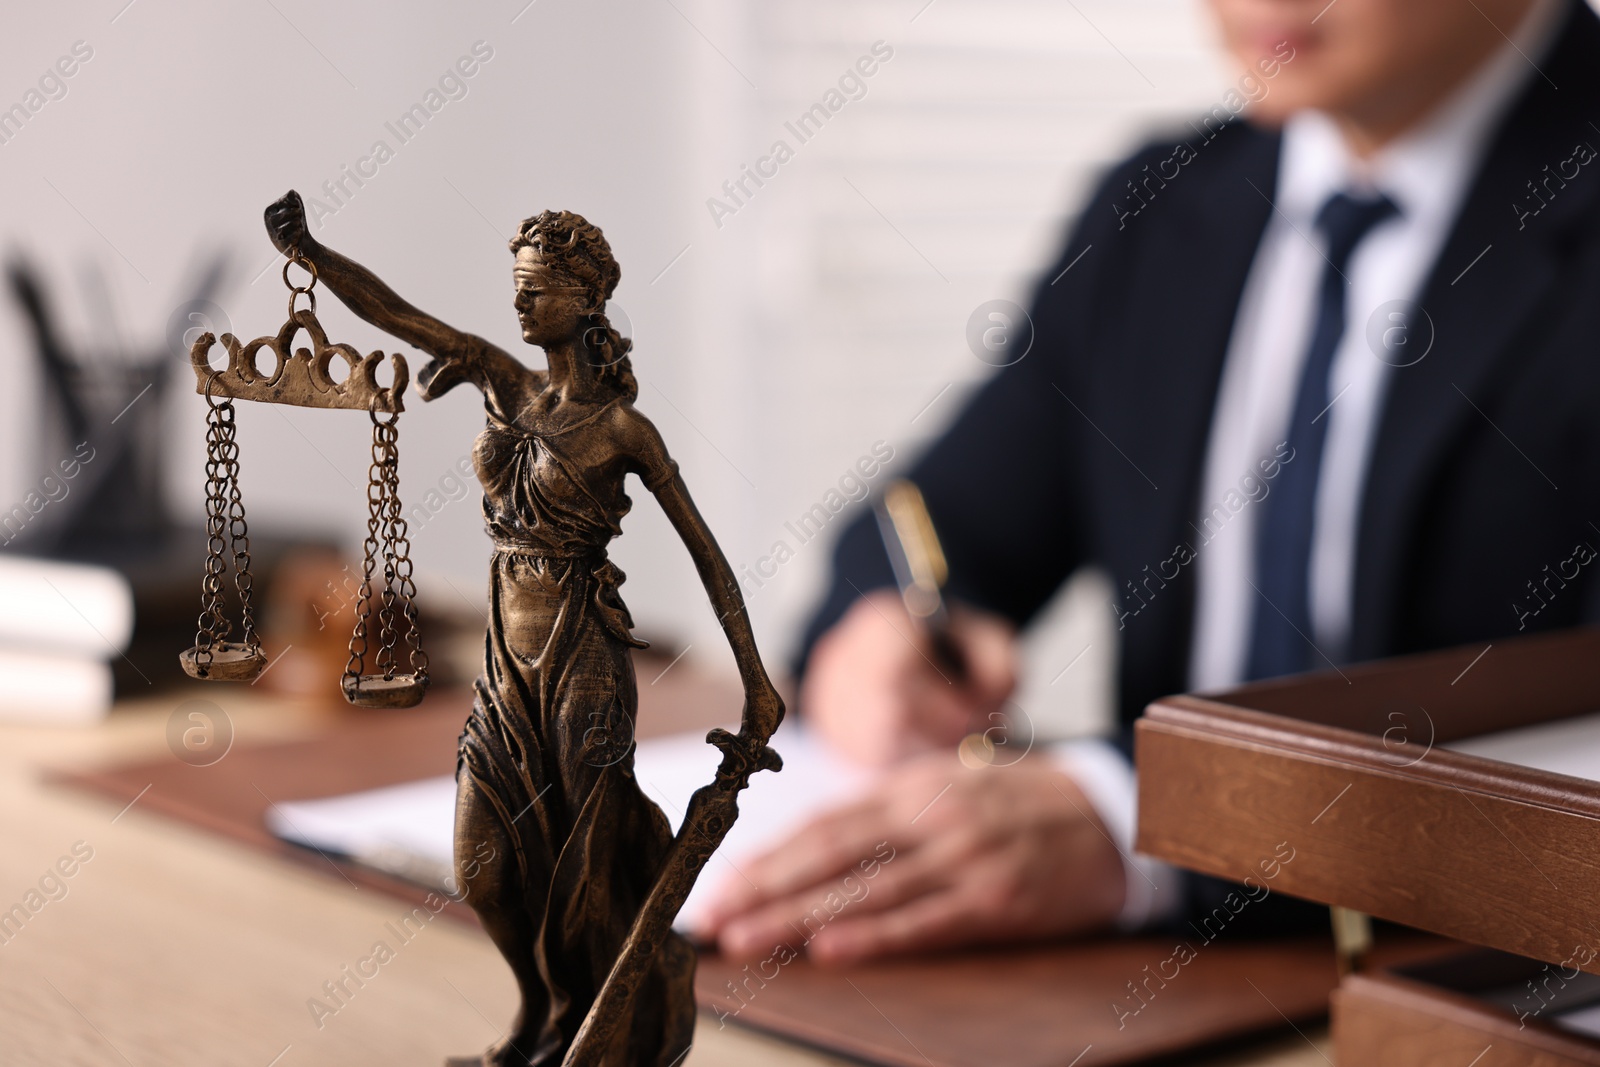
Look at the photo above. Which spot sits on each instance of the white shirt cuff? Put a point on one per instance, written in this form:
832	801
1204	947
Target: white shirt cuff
1154	888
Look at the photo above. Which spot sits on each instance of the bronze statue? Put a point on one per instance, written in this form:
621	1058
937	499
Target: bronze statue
586	875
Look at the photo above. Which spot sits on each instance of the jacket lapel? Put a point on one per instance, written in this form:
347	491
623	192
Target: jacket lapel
1172	338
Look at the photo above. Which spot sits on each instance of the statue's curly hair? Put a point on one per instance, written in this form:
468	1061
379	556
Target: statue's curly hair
572	246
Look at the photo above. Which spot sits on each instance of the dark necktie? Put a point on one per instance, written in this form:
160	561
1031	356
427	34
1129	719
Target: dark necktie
1280	636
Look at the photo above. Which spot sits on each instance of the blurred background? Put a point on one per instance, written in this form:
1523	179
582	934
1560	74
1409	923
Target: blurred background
782	332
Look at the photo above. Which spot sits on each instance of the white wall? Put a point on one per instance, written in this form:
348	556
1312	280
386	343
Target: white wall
823	316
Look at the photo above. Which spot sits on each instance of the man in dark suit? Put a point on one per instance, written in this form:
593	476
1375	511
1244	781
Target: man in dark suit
1314	388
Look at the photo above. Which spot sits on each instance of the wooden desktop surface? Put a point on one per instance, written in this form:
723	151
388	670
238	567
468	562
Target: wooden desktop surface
174	947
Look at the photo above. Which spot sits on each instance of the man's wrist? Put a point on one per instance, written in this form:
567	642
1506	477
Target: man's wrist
1153	889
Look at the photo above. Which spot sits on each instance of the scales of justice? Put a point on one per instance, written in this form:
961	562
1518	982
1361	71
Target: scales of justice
586	876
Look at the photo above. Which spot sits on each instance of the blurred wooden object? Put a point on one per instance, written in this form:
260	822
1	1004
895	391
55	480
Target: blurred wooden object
1347	768
1385	1019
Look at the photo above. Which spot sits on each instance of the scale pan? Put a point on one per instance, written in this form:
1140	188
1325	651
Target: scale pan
376	691
230	662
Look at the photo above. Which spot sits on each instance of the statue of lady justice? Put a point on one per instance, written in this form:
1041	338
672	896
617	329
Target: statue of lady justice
545	767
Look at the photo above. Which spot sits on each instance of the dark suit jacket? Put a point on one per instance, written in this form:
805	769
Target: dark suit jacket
1486	464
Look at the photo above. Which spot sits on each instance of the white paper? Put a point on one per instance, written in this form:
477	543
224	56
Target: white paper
1581	1020
408	829
1565	746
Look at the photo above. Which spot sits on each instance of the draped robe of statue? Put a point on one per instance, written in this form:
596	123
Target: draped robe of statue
549	744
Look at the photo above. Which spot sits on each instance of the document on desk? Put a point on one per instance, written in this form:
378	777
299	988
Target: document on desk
1563	746
408	829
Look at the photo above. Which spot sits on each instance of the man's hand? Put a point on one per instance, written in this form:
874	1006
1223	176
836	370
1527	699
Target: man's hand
874	690
938	855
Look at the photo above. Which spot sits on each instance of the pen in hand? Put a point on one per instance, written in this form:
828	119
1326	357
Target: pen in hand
920	571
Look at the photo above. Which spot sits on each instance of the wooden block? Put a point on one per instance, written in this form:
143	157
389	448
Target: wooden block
1468	847
1387	1021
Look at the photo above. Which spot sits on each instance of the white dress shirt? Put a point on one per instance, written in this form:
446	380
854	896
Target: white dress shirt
1426	172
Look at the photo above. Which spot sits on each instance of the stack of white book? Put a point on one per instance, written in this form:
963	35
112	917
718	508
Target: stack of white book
61	626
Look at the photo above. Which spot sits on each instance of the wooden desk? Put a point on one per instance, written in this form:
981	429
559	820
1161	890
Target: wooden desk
176	948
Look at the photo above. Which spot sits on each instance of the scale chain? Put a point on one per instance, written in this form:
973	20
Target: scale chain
382	613
213	626
239	535
400	545
369	550
226	530
385	463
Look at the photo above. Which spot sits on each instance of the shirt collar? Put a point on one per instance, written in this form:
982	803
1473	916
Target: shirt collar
1425	170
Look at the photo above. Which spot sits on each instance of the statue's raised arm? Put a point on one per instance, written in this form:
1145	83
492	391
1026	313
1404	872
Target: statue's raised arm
457	356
